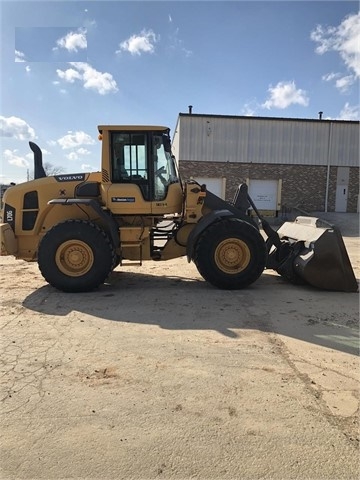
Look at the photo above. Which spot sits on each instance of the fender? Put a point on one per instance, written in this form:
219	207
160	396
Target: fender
205	222
108	220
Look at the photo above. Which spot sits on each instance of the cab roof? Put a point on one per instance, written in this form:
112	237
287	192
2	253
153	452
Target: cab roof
128	128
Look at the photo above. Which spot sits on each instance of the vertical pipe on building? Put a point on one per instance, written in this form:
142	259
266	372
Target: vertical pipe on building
223	187
189	130
328	167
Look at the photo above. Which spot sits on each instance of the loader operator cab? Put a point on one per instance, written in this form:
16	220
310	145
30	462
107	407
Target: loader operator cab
144	159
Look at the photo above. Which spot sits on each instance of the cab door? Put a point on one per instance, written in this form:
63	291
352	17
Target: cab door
143	174
130	189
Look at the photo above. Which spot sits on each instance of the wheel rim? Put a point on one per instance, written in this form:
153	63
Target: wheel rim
74	258
232	255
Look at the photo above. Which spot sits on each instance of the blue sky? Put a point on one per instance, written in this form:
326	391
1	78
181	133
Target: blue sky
68	66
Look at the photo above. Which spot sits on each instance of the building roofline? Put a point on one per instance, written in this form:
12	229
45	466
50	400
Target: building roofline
242	117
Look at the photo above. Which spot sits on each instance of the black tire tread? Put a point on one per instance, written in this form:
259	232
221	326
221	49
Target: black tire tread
218	231
90	280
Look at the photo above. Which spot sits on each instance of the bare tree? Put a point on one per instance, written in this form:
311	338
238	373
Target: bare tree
50	169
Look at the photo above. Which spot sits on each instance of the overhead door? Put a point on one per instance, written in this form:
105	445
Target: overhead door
214	185
265	194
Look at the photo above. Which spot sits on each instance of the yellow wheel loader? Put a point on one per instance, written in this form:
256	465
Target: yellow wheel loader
79	227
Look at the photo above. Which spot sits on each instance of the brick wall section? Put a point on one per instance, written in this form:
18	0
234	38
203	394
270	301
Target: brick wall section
353	190
303	186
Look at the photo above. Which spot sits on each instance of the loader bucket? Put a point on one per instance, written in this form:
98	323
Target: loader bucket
317	255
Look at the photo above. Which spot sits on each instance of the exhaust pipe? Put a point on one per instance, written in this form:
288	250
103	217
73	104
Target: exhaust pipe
39	171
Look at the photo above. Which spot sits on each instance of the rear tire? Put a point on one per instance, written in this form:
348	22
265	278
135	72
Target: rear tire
230	254
76	256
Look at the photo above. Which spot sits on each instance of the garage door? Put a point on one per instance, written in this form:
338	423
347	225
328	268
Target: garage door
214	185
264	193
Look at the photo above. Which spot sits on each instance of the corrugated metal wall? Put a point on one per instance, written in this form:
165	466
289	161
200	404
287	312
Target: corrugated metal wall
266	140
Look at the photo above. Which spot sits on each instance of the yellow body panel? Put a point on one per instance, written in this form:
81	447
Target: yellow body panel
125	199
8	240
172	250
172	204
47	188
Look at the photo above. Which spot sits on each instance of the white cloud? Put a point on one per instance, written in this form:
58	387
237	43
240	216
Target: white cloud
344	83
75	139
19	56
83	151
247	111
250	108
330	76
92	79
73	41
72	156
101	82
285	94
343	39
75	155
14	159
350	112
17	128
85	167
69	75
138	44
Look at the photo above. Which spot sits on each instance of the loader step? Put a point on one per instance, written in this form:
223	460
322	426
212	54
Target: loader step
130	262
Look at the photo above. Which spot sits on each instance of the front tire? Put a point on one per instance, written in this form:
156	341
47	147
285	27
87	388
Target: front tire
230	254
76	256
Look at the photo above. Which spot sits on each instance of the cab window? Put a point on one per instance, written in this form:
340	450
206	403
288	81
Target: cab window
129	160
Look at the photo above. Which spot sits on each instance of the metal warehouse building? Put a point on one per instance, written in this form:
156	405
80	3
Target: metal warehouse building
307	164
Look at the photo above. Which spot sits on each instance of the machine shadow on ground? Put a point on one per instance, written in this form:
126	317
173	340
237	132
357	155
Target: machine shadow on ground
329	319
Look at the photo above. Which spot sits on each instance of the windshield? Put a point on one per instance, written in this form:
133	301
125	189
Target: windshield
164	166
